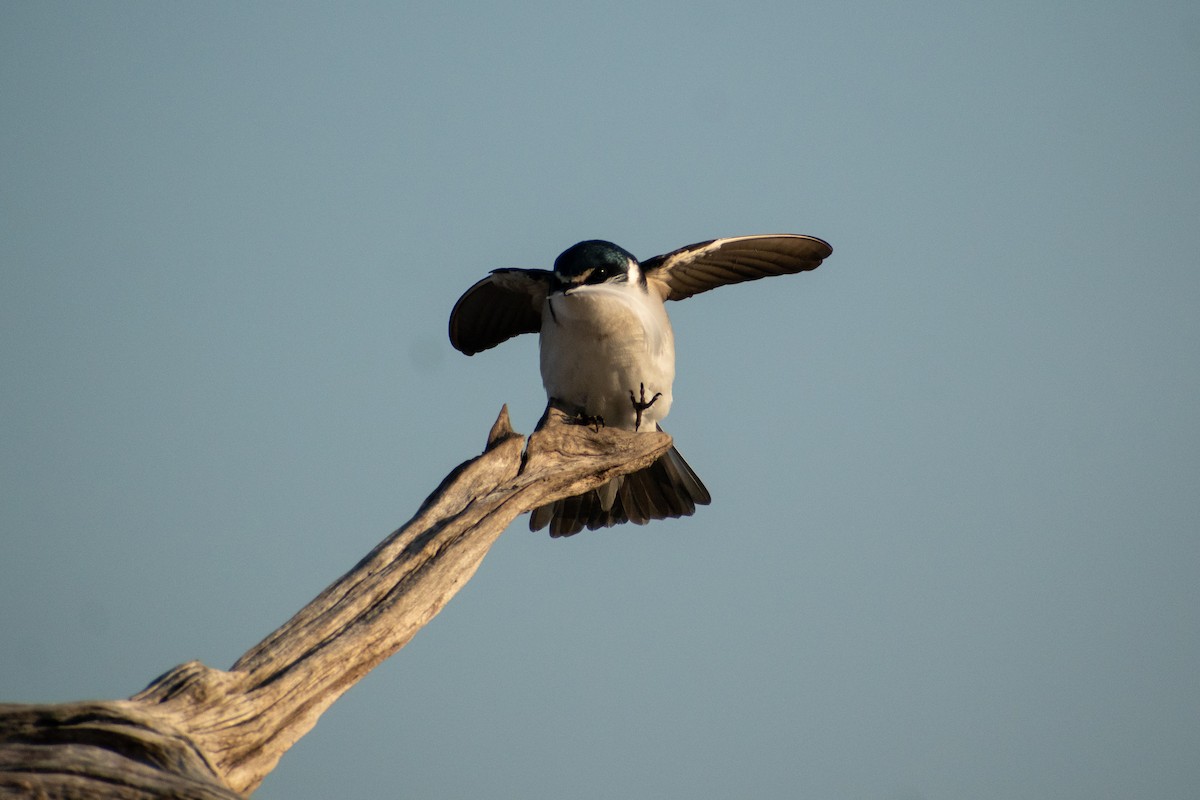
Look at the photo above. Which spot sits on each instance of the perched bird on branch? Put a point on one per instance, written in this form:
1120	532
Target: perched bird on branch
608	353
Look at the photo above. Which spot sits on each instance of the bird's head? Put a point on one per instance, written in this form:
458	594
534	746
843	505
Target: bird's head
593	262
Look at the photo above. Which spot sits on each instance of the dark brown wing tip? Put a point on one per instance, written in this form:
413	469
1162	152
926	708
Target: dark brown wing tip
827	247
820	252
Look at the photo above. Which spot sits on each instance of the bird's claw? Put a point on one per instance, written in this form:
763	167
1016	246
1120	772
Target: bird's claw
593	421
640	404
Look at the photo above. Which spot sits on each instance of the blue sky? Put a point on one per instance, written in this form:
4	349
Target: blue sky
956	471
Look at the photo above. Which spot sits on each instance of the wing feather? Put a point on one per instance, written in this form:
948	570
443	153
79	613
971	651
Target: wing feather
706	265
506	303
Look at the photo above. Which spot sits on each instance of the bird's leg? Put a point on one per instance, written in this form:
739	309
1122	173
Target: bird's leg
641	404
577	415
594	421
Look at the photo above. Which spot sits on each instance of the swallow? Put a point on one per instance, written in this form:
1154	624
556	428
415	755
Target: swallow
607	350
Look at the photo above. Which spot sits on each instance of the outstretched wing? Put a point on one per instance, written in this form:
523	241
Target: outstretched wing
506	303
707	265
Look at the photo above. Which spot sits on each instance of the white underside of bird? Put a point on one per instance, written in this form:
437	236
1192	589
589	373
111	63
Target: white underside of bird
600	344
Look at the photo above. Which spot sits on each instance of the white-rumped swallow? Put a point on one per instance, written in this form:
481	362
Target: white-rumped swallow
608	353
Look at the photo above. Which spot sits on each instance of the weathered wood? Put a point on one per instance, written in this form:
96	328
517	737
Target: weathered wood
204	733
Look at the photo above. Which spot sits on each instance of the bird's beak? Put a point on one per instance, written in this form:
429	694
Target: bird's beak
575	284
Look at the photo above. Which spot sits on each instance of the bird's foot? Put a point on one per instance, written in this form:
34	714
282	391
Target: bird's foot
572	414
593	421
640	404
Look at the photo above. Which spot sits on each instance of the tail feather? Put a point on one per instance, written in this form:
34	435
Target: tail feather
633	500
683	475
666	488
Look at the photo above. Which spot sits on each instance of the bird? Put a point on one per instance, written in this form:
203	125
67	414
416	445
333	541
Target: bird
607	350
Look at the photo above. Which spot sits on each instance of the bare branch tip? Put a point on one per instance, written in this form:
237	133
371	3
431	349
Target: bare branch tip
502	429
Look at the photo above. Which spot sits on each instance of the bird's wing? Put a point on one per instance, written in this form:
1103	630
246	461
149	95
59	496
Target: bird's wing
506	303
707	265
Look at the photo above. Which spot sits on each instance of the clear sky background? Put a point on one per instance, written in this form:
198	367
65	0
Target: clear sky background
954	549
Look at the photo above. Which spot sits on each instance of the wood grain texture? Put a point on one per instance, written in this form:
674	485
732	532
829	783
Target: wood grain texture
204	733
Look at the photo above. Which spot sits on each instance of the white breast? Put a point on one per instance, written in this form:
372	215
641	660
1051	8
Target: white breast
600	342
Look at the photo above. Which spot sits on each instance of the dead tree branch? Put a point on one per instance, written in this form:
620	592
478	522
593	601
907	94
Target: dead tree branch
204	733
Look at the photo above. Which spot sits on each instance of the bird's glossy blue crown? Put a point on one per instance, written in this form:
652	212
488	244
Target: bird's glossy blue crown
592	261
